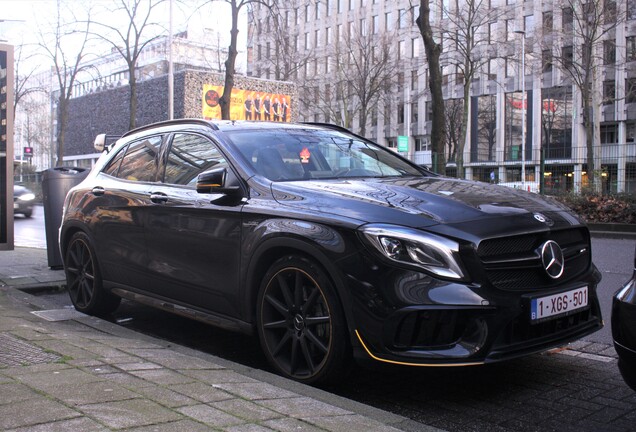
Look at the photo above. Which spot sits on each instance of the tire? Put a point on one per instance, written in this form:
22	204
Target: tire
83	278
300	323
28	213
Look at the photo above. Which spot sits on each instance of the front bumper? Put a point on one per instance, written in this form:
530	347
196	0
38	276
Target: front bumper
410	318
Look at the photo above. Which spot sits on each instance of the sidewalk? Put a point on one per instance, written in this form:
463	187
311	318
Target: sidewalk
62	370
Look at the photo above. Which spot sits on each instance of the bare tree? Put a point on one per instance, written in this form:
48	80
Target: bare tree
274	36
22	78
589	22
225	101
433	51
359	67
131	39
66	48
469	20
454	110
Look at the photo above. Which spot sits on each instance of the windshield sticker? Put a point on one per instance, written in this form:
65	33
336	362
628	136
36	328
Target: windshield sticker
304	155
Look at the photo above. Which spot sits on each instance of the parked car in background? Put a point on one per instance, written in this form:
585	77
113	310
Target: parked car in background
23	201
326	246
624	329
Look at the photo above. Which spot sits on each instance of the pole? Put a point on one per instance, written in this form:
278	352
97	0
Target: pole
523	107
170	70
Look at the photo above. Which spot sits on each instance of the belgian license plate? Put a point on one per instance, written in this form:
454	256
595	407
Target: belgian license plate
558	304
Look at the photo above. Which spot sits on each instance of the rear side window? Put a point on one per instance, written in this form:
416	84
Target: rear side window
189	156
141	160
113	166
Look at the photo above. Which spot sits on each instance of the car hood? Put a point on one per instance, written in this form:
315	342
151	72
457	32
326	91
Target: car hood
423	201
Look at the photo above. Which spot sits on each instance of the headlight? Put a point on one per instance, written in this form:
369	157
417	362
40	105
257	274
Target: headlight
27	197
435	254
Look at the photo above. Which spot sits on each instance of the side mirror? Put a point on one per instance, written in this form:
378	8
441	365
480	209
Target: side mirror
218	180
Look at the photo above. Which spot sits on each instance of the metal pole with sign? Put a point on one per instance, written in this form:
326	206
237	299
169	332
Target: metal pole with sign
6	147
403	144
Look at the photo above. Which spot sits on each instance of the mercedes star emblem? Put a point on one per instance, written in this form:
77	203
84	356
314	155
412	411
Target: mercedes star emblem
552	258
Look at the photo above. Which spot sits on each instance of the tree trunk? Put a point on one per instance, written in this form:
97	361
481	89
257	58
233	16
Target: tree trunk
132	102
226	99
464	131
433	51
62	107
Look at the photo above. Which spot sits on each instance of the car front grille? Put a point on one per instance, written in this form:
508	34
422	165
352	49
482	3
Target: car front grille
514	263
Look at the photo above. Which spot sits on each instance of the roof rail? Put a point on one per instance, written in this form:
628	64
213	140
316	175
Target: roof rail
172	122
335	127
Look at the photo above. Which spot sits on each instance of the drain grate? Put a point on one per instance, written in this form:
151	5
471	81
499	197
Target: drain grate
14	352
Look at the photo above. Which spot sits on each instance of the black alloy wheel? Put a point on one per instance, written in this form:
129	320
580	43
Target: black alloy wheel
300	323
83	278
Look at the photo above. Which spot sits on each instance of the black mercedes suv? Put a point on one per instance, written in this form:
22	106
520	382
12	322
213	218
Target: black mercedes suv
327	246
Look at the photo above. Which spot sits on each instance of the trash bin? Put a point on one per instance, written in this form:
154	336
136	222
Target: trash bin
56	182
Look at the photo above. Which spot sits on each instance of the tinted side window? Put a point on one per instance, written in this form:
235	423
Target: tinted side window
189	156
113	166
140	161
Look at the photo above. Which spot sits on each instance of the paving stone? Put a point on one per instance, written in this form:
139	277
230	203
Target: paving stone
218	376
59	379
82	424
291	425
247	428
165	396
127	380
15	392
33	412
129	413
162	376
210	416
248	411
138	366
95	392
302	407
349	423
202	392
256	390
178	426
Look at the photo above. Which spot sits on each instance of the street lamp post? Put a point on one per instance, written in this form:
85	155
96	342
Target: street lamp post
523	107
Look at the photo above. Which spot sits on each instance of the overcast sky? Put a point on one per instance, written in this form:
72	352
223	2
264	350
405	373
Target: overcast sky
22	20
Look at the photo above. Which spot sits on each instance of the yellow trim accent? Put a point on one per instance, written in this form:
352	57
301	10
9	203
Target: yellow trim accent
374	357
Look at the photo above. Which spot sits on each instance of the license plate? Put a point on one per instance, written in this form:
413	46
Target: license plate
558	304
15	206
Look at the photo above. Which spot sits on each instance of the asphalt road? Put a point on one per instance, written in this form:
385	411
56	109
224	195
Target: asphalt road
577	389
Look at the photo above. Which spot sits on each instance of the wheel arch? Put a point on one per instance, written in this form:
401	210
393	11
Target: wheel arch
270	251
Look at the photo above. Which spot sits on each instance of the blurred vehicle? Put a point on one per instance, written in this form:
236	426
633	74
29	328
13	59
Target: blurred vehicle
23	200
624	329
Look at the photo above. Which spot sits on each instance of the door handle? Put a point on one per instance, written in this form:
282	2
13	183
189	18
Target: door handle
98	191
158	198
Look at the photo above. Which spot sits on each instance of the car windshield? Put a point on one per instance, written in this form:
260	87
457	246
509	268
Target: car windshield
302	154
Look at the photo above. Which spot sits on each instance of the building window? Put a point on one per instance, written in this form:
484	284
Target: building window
317	38
328	36
414	78
528	25
401	18
400	49
492	29
317	11
340	6
548	21
327	9
510	30
610	11
307	41
510	67
391	143
363	27
609	52
567	18
609	92
351	4
414	114
307	9
375	24
567	56
630	90
388	21
400	79
631	9
631	48
546	60
415	47
400	114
